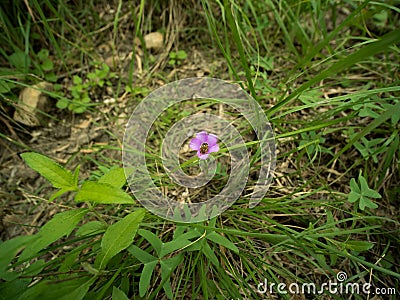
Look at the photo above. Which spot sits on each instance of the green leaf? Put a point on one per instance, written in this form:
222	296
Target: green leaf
155	242
179	243
79	109
116	177
221	240
62	103
362	194
371	193
117	294
102	193
209	253
353	197
358	246
366	202
19	60
4	87
167	267
119	236
68	289
34	292
47	65
141	255
92	75
181	54
13	289
145	277
51	77
61	225
43	54
76	174
59	193
365	190
8	250
91	228
80	292
76	80
68	263
354	186
58	176
35	268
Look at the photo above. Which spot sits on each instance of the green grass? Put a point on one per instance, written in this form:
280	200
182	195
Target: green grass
326	75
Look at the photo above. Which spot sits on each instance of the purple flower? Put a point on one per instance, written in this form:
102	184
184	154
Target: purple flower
204	144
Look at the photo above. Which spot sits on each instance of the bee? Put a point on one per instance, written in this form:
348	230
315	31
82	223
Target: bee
204	148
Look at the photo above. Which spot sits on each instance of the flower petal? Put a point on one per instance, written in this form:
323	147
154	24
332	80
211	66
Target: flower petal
214	148
212	140
202	136
195	143
202	156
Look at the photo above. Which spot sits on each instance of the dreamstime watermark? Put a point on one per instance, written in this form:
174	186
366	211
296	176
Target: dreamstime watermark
199	90
338	286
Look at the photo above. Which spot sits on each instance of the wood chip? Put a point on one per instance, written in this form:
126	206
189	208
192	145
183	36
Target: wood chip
154	40
32	101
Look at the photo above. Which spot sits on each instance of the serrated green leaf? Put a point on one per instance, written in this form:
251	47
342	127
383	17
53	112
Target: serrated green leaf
116	177
60	225
117	294
221	240
102	193
145	277
91	228
58	176
119	236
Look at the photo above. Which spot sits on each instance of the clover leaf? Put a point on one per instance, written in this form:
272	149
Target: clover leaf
363	193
